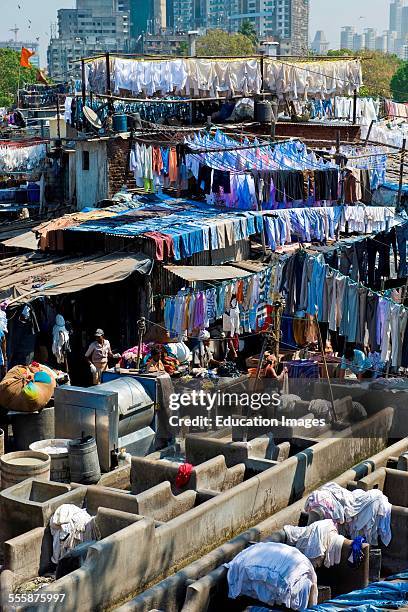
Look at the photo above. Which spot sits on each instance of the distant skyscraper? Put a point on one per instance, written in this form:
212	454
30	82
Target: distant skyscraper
370	36
381	43
358	42
147	16
395	16
320	45
403	32
346	37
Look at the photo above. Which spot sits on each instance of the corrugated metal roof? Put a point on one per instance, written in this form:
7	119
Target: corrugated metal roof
207	273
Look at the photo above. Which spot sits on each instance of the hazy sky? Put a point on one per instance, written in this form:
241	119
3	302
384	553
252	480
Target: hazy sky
327	15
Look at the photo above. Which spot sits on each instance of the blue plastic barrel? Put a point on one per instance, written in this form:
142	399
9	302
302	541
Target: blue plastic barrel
33	193
120	122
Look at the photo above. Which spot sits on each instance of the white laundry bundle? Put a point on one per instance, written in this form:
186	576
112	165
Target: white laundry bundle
274	574
70	526
60	339
321	408
319	542
364	513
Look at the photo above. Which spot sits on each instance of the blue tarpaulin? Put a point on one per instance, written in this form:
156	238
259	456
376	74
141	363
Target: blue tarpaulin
376	596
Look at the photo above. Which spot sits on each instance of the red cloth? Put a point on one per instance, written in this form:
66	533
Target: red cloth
183	474
161	240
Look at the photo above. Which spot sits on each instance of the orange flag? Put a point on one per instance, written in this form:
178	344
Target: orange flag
25	56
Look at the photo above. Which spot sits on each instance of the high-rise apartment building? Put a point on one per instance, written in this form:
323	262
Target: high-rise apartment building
370	37
398	26
284	20
395	16
94	26
346	37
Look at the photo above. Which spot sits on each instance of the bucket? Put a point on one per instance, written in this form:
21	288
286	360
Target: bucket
57	449
120	123
83	461
16	467
33	426
263	112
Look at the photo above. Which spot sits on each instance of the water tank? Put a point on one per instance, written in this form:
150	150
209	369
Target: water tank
120	122
263	112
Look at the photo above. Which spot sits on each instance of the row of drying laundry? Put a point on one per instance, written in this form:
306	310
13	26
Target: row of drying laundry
367	109
357	313
316	79
192	76
395	109
180	76
387	132
21	158
320	223
221	152
195	310
341	107
364	219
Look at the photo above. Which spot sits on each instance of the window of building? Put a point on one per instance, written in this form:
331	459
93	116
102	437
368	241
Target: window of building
85	160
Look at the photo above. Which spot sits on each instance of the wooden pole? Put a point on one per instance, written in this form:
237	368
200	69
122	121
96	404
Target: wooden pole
58	118
259	206
369	132
262	72
355	107
83	82
108	74
326	369
142	329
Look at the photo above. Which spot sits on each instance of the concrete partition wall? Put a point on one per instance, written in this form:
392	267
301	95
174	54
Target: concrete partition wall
169	594
140	555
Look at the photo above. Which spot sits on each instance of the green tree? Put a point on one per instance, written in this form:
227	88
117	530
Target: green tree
399	83
339	52
248	29
378	70
183	47
9	76
220	43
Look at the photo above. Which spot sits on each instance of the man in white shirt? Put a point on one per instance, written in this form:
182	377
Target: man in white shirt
98	354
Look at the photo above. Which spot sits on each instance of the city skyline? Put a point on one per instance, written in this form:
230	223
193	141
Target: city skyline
33	23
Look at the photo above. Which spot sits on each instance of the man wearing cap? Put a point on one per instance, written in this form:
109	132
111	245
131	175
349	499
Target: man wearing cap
202	355
98	354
